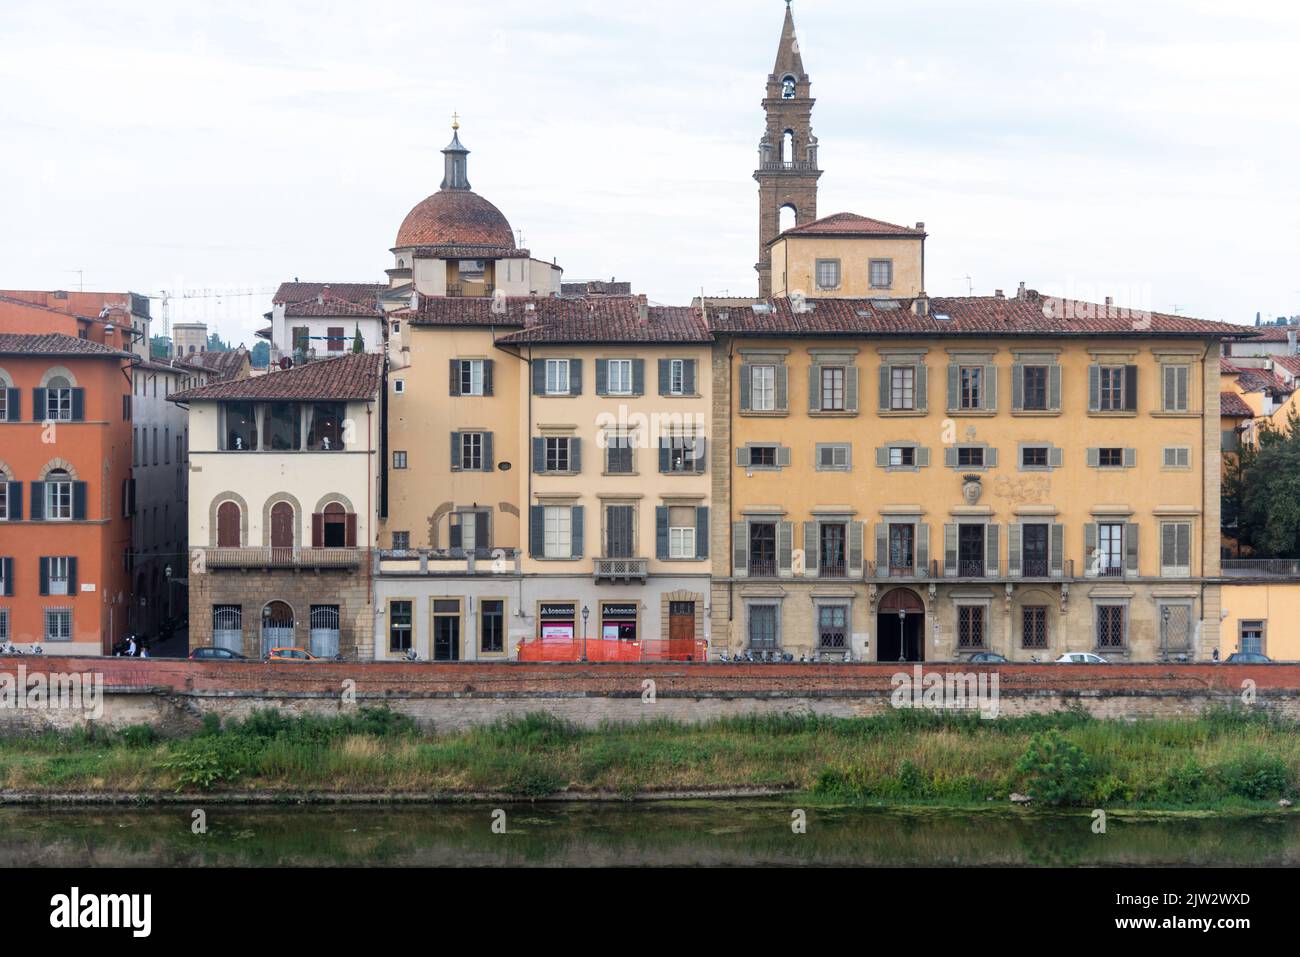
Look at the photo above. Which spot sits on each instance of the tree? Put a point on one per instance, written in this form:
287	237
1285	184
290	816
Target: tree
260	357
215	344
358	343
160	347
1263	488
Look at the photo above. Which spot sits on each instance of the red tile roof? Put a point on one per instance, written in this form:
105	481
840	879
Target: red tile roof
1259	380
455	217
1273	333
359	292
329	306
223	366
1290	363
981	316
354	376
1232	404
56	344
613	319
850	224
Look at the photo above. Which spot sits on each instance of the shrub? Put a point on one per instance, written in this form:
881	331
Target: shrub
1255	776
1055	770
138	736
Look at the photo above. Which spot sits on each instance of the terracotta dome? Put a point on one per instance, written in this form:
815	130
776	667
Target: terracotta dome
455	217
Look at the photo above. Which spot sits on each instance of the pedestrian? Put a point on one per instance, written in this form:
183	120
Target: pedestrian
130	647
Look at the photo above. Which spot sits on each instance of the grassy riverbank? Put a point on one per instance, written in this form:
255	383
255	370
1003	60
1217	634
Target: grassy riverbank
1221	761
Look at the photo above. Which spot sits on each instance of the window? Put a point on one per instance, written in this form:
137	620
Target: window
4	625
399	460
1033	627
1176	549
788	88
240	430
401	541
970	456
618	454
1110	626
1110	549
471	451
970	551
763	635
58	496
882	273
1034	396
971	380
58	400
1252	638
681	532
399	626
970	626
1035	541
902	387
1111	379
1034	457
558	539
167	446
677	377
399	386
557	376
762	388
1178	457
832	549
470	532
4	498
557	454
1176	388
280	431
155	445
902	457
325	426
1110	458
4	403
762	549
833	627
492	627
834	458
763	456
619	377
471	378
832	389
335	337
682	453
902	548
58	624
334	527
828	274
620	531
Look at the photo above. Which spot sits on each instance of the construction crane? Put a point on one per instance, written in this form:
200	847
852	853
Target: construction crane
166	297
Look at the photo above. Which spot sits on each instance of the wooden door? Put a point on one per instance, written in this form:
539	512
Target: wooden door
228	522
282	525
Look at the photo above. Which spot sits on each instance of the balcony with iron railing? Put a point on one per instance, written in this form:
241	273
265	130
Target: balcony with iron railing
1261	568
270	556
447	561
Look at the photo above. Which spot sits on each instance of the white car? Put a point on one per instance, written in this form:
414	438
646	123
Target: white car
1081	658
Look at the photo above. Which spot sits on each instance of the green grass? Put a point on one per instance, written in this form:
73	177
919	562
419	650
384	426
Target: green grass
1224	759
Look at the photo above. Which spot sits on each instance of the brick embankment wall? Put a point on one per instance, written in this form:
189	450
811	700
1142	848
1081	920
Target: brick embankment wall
174	695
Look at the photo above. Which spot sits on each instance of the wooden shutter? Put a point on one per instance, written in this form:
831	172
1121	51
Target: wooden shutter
1090	564
536	531
350	530
455	451
992	550
665	376
1054	388
38	405
539	456
1094	458
575	455
482	533
13	405
810	551
950	551
1017	387
661	533
78	405
1013	550
884	387
1057	549
1056	457
882	549
989	400
746	387
923	550
1094	388
857	545
1131	548
783	456
990	458
851	389
79	501
1130	388
665	454
814	388
954	387
72	576
742	457
454	380
740	549
921	455
688	376
7	573
45	576
602	377
228	525
488	376
539	376
38	502
1130	458
15	498
575	377
882	457
577	529
781	388
489	462
638	377
785	547
317	529
950	456
702	532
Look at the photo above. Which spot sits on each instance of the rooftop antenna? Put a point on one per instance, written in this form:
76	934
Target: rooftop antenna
970	285
81	278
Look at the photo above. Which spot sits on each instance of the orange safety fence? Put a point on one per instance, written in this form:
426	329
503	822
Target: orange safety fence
612	650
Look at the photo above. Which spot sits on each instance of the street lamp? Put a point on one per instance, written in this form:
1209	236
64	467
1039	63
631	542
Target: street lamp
586	613
902	633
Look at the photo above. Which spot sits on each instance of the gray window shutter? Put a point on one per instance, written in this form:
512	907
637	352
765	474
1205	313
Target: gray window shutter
7	573
1131	548
539	377
785	547
814	388
539	456
954	388
665	455
1056	457
1017	387
992	550
1094	388
950	456
661	533
575	455
701	453
1013	550
1130	458
1169	396
38	405
950	551
782	377
742	457
923	550
72	576
882	457
78	405
1168	544
45	576
857	532
922	457
1090	550
38	502
922	387
1130	388
602	377
688	376
489	463
702	532
884	388
746	387
1057	549
665	376
577	529
783	456
1094	458
79	501
1182	395
882	549
810	554
15	501
455	451
575	377
851	389
740	549
1054	388
990	395
13	405
454	384
991	458
638	377
488	376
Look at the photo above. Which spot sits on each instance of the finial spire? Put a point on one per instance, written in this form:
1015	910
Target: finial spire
455	161
455	121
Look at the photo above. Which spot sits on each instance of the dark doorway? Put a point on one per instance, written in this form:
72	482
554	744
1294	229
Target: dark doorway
900	627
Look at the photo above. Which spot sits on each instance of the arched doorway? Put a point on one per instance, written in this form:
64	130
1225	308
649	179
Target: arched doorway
282	519
900	626
277	627
228	525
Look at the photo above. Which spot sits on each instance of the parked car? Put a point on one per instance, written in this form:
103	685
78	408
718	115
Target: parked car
1248	658
1081	658
987	658
291	654
216	654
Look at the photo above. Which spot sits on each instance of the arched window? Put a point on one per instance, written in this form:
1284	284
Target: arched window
787	88
282	525
334	527
228	525
58	399
58	495
787	147
789	217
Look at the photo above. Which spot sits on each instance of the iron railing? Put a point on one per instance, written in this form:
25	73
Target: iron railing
270	556
1261	568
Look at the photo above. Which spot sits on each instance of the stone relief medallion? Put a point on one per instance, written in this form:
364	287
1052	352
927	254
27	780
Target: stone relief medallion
971	489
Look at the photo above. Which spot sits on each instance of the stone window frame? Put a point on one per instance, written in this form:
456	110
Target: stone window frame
1177	571
214	508
1036	598
1099	602
987	361
872	263
1263	633
766	601
847	602
951	461
845	360
269	504
1164	458
986	604
631	436
817	274
1187	360
853	528
891	359
1050	359
920	456
848	457
784	457
1055	457
749	360
387	644
1128	458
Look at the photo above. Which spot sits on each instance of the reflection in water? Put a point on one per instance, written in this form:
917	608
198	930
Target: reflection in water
694	833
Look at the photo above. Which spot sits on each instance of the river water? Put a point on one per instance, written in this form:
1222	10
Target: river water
689	833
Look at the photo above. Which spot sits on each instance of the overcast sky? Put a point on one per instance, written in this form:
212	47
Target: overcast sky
1145	149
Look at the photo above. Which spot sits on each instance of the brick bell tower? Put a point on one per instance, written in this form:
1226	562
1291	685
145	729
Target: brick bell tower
787	171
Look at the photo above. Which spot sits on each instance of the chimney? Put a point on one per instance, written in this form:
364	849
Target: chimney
1110	301
997	294
1020	293
530	312
920	227
642	309
922	304
1291	342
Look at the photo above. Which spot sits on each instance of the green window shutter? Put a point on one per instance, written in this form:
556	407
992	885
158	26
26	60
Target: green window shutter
38	502
455	451
539	456
782	378
1054	388
602	377
950	551
1056	456
1017	387
1094	458
923	550
851	389
661	533
665	455
1094	388
78	405
79	501
742	457
950	456
1169	389
810	549
575	377
991	550
575	455
638	377
38	405
488	376
785	547
740	549
72	576
688	376
15	501
882	549
539	376
454	383
489	463
857	532
884	388
746	387
45	576
991	458
954	388
922	457
1057	548
1131	548
702	532
13	405
990	396
1168	546
814	388
1013	550
665	376
882	457
922	387
783	456
577	529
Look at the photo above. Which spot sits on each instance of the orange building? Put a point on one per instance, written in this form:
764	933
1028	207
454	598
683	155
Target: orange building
65	482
